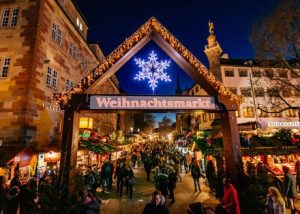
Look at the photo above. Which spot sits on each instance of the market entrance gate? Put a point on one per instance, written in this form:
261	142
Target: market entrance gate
82	97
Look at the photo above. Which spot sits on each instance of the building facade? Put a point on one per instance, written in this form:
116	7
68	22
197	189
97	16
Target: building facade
43	50
259	82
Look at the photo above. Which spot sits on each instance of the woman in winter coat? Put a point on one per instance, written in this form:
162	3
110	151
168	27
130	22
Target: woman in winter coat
129	179
196	173
275	203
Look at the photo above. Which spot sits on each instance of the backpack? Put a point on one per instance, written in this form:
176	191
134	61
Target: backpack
195	172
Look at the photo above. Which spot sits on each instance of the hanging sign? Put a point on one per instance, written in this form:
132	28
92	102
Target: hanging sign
153	103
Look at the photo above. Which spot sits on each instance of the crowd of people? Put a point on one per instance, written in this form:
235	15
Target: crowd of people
163	163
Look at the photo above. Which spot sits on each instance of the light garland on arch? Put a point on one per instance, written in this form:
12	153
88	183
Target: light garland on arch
151	25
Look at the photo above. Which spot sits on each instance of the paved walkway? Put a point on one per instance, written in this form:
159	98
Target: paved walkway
184	195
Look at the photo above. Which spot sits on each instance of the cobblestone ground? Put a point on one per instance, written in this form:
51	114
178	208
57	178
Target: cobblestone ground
184	195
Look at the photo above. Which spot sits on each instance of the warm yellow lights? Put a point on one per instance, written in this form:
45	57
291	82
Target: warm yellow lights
128	44
86	123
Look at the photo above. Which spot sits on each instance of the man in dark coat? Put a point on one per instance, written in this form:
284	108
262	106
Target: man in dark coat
156	206
172	184
148	166
16	180
120	175
290	191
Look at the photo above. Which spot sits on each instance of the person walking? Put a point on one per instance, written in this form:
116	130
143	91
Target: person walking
297	169
196	173
230	200
12	201
148	166
289	187
120	174
172	184
27	196
156	205
129	179
275	203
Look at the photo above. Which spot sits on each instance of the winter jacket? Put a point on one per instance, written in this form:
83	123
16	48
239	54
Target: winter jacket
230	200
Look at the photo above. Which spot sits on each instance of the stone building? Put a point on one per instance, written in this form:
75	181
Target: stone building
43	50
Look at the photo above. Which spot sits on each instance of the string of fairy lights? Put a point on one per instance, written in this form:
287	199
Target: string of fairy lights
151	25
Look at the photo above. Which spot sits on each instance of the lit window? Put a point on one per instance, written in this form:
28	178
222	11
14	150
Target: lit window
14	18
262	113
5	67
77	22
54	30
5	17
237	113
290	113
229	73
248	111
243	73
204	117
80	27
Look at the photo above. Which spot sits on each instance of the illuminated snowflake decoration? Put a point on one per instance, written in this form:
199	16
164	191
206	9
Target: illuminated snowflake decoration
152	70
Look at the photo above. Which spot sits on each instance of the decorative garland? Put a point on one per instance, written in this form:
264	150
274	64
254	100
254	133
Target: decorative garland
97	148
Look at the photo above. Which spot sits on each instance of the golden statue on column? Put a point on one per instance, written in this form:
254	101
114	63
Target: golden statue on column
211	27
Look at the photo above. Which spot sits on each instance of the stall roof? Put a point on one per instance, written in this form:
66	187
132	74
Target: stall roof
8	152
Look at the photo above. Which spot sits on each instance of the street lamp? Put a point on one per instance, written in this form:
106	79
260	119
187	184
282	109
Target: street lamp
250	63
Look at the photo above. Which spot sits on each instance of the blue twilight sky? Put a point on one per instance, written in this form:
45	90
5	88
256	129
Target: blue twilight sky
111	22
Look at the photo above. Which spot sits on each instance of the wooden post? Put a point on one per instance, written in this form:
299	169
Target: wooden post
231	138
69	150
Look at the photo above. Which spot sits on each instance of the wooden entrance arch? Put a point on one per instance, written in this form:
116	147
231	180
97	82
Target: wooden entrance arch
77	99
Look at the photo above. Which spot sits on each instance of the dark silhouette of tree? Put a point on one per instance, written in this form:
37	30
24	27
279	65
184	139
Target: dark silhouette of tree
276	40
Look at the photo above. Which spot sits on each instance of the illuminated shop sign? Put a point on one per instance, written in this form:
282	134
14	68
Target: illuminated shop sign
153	103
285	124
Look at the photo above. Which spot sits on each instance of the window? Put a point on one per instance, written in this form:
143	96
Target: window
52	78
269	73
84	64
229	73
59	37
79	24
211	116
262	113
49	74
73	51
5	67
233	90
282	73
256	73
54	30
259	92
243	73
204	117
248	111
69	85
290	113
5	17
14	18
237	113
246	92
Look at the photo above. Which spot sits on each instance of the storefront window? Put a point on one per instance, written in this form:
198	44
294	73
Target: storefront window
248	111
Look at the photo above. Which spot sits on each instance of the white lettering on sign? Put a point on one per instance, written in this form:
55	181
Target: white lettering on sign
50	107
275	124
152	102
